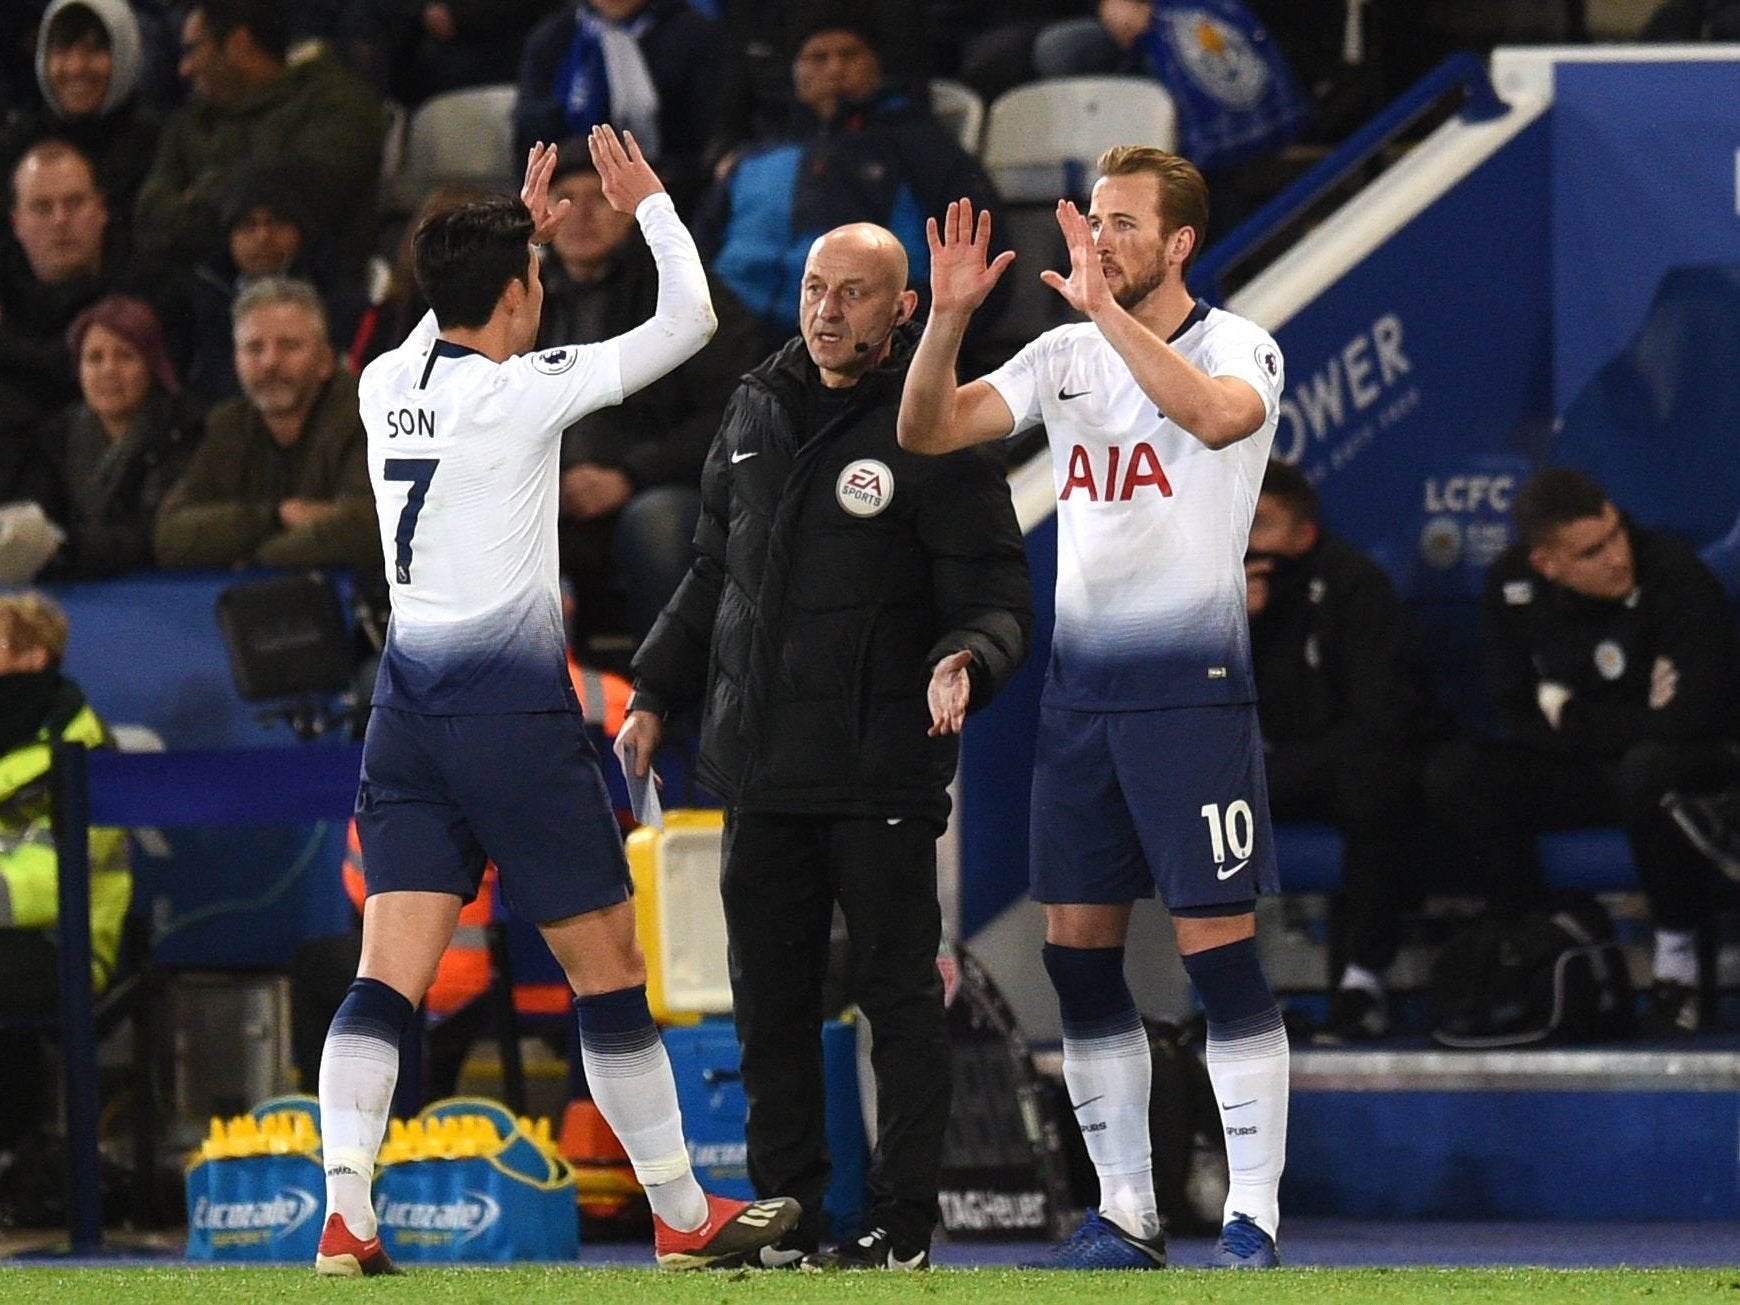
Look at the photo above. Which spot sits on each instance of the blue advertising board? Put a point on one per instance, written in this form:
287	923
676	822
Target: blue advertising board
1417	391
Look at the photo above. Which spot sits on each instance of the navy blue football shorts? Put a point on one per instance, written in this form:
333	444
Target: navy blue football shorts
440	795
1127	802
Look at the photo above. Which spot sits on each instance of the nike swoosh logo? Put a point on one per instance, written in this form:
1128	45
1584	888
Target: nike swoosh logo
740	457
1241	1105
1066	396
1085	1104
895	1262
1228	874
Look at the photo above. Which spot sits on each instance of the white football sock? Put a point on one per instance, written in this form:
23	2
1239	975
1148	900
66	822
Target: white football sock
637	1096
1357	976
357	1076
1248	1066
1109	1079
1676	957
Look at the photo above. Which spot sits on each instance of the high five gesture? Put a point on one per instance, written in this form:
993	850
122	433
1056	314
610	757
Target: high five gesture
628	178
934	416
960	277
535	193
1085	288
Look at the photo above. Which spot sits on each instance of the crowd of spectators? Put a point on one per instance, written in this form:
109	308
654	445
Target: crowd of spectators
177	152
202	258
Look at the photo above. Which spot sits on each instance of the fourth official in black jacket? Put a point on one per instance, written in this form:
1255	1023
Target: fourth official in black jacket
848	605
834	570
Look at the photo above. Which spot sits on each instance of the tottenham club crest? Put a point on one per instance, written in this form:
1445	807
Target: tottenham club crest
865	487
553	362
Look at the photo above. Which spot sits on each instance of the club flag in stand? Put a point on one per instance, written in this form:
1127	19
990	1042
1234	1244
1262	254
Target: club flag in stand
1235	95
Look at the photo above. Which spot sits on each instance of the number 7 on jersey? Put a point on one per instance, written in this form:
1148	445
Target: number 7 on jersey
419	472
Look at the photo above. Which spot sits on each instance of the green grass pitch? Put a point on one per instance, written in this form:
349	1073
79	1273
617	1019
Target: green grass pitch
581	1286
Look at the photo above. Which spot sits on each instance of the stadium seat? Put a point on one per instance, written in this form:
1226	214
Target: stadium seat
464	135
1041	139
958	107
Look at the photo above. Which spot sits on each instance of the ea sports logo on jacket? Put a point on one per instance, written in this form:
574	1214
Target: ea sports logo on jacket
865	487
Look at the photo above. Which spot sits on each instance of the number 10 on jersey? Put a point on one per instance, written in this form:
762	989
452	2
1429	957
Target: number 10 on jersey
1235	830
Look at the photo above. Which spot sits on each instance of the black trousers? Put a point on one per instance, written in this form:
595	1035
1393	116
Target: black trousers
29	986
1497	797
1372	797
782	876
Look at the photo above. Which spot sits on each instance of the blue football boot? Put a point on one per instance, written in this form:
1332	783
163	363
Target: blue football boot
1101	1244
1243	1245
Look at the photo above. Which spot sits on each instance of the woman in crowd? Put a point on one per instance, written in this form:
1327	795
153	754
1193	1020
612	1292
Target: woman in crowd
108	459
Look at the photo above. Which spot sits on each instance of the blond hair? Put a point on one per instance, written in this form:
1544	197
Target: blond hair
1183	192
30	620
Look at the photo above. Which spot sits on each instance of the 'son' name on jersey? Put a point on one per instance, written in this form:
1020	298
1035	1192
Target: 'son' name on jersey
463	455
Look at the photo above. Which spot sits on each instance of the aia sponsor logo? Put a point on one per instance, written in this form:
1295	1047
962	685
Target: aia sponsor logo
1111	475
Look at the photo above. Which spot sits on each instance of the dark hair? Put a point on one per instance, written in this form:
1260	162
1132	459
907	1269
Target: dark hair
834	16
465	257
1287	483
1552	498
268	186
135	321
75	23
402	279
267	21
1183	192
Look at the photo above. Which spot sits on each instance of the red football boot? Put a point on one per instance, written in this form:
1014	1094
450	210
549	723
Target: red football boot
342	1255
734	1230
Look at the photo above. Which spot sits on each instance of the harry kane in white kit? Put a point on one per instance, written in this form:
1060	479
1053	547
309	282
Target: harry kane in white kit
1160	412
475	748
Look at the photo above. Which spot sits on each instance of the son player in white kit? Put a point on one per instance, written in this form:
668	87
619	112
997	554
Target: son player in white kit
475	748
1149	771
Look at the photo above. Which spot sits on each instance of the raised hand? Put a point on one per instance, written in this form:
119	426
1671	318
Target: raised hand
960	278
1085	288
623	169
535	193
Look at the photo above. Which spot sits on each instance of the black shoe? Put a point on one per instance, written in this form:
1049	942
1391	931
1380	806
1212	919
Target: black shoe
876	1249
1355	1015
1711	824
1672	1011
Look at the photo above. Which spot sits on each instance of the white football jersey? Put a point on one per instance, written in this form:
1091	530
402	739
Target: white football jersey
1152	525
464	457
